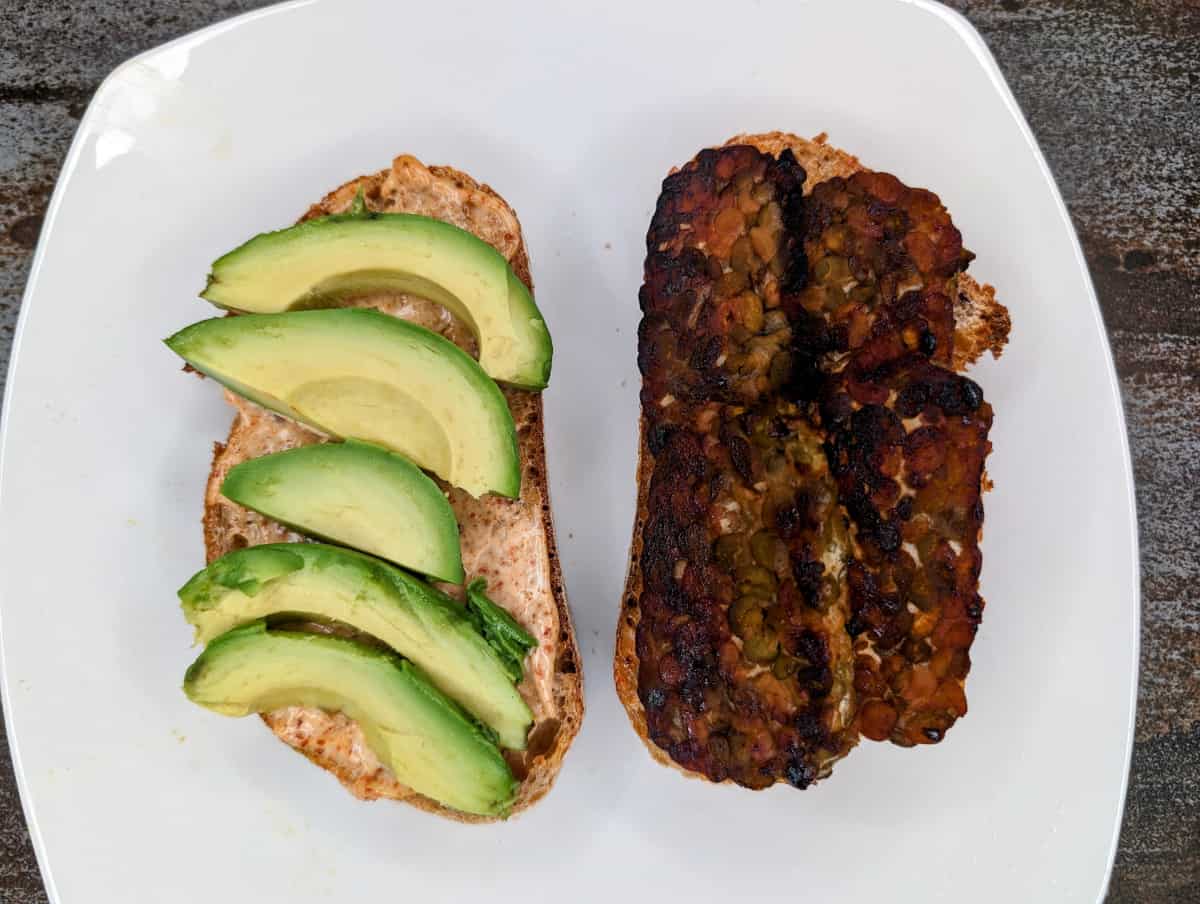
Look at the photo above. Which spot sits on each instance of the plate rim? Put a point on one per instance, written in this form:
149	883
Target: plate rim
964	31
70	162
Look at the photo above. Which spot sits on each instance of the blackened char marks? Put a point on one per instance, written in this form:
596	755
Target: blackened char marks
810	555
712	327
907	442
883	263
873	332
745	667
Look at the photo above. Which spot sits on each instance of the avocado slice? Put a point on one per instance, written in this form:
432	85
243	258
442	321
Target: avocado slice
356	494
352	372
320	262
327	582
416	731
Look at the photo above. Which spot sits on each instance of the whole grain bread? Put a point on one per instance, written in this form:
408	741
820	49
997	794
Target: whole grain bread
982	325
509	542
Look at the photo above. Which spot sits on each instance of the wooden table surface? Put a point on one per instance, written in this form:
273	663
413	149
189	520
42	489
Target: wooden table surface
1112	91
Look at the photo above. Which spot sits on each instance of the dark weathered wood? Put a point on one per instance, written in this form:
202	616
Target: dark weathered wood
1112	90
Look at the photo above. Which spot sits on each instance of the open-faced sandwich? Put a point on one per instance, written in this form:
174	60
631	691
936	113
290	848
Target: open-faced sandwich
384	358
805	561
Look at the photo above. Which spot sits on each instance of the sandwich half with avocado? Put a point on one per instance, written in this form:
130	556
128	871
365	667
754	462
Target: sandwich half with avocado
382	584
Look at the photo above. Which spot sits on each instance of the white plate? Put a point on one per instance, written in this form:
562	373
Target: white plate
575	112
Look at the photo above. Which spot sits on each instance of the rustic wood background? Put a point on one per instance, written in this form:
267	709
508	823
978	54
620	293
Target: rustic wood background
1112	91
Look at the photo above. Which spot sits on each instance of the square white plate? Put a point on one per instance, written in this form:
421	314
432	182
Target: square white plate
575	112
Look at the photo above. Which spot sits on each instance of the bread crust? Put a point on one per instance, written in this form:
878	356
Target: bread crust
982	325
332	741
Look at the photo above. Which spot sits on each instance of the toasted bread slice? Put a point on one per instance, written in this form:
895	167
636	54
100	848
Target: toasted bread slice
509	542
981	325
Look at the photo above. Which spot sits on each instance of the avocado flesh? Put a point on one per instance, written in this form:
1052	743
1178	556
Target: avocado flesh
351	372
323	261
358	495
427	741
326	582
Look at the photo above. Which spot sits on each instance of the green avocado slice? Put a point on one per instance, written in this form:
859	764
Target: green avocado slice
359	495
427	741
322	261
352	372
327	582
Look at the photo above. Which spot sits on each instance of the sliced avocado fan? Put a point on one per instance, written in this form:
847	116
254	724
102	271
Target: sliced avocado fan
320	262
333	584
419	733
356	373
356	494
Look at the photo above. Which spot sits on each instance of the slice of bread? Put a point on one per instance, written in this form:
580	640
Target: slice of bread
981	325
508	542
